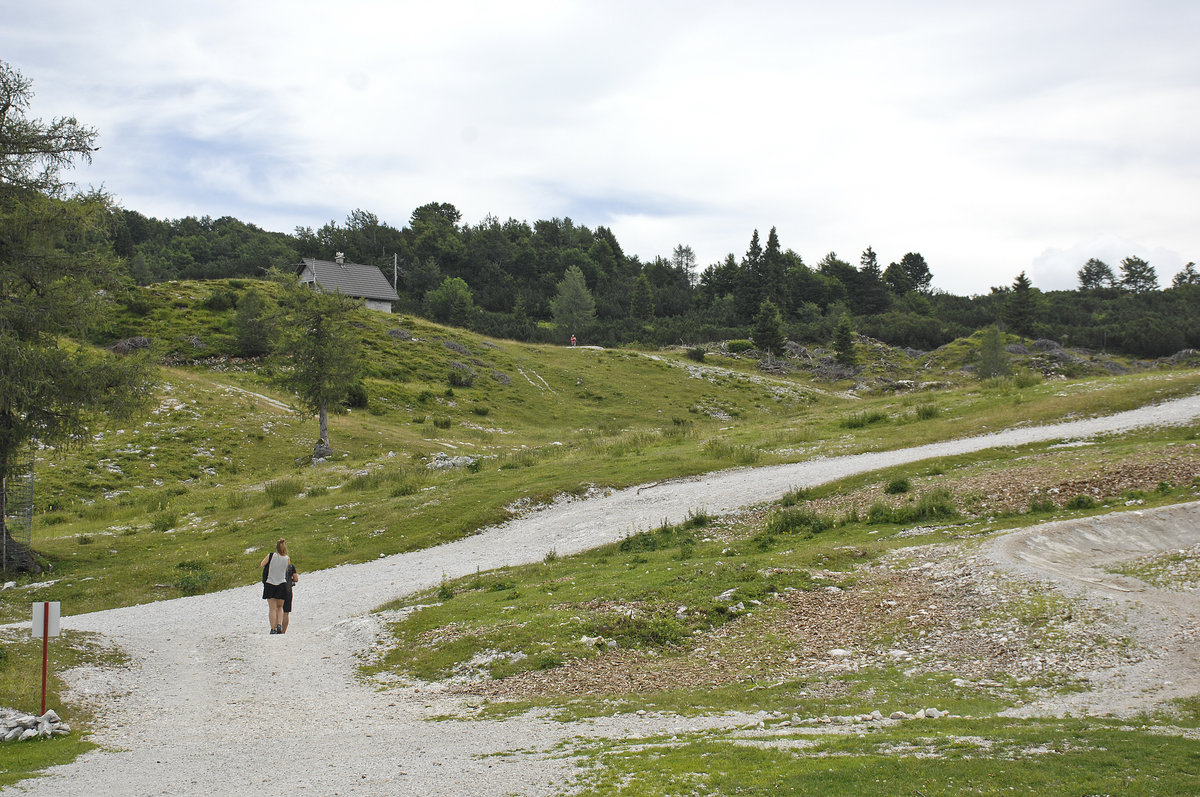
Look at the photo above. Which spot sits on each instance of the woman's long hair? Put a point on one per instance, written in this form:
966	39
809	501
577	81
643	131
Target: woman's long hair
281	547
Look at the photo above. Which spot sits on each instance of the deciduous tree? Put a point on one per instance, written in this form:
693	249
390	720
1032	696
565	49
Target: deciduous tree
451	302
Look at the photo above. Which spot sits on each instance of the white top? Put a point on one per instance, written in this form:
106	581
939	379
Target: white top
277	569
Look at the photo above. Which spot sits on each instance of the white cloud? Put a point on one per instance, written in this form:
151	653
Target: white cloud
991	137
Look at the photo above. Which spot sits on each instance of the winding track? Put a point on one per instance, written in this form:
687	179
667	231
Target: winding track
1072	555
215	705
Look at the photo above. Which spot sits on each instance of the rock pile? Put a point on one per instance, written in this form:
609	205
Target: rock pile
17	726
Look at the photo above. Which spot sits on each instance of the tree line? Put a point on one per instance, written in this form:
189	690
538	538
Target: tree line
547	280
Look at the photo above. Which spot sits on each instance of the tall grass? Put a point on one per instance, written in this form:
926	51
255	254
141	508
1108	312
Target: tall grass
281	491
937	504
724	451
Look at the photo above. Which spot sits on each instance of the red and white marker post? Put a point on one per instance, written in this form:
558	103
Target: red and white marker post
45	625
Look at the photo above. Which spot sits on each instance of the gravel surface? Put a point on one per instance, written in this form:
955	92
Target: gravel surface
213	704
1074	557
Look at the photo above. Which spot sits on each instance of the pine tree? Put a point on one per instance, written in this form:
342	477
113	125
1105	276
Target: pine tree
773	268
318	344
1138	276
641	305
992	360
1020	306
1189	276
872	291
751	287
573	306
918	272
844	348
58	280
768	329
1096	274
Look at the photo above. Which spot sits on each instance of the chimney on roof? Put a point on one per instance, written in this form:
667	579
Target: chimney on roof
340	258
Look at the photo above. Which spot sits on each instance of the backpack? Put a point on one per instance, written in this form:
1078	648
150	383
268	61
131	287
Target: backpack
267	567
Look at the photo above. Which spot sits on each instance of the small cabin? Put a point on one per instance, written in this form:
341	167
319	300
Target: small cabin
351	279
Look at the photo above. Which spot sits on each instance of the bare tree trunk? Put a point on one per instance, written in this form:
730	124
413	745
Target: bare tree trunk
322	450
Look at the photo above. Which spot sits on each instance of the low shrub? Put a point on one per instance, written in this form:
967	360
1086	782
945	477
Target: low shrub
897	486
164	521
1081	501
794	496
1040	506
194	577
696	354
356	396
461	375
650	631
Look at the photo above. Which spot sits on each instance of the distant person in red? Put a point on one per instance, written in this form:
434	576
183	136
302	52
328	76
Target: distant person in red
572	340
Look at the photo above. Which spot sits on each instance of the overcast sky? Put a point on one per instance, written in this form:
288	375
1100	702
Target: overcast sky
992	137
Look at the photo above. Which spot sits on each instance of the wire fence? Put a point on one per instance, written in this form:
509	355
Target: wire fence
16	498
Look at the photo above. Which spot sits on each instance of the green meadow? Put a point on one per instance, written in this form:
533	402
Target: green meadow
186	498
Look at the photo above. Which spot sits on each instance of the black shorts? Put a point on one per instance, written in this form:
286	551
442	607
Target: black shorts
277	591
287	602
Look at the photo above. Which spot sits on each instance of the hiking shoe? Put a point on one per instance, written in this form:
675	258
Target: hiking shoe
273	631
279	629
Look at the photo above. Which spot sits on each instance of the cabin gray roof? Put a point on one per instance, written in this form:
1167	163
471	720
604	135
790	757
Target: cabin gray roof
352	279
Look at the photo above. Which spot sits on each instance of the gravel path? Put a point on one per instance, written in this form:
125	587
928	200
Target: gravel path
215	705
1071	555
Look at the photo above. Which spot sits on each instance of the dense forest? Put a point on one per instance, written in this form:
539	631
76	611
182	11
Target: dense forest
555	278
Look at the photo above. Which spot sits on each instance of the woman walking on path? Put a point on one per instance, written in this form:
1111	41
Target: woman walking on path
275	584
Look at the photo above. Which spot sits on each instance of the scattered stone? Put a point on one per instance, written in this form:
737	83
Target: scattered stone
440	461
17	726
130	344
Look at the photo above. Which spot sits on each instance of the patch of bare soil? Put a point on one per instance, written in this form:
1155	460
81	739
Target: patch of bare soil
929	609
1055	477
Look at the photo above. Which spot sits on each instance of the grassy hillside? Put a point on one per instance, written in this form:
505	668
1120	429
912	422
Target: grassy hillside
461	432
185	499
